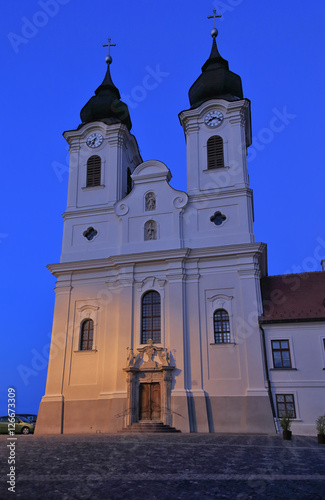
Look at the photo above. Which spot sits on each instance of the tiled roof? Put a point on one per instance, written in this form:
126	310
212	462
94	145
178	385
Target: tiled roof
293	297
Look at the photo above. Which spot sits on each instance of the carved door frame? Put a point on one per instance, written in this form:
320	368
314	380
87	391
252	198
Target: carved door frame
150	401
135	376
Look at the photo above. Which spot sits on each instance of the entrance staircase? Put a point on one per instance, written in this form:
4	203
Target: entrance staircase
146	426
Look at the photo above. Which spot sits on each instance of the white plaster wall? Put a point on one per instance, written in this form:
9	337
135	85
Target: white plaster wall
151	176
235	132
200	231
187	283
307	378
236	368
223	189
93	206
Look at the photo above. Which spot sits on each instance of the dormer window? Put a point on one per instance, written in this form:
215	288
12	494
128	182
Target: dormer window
215	152
93	171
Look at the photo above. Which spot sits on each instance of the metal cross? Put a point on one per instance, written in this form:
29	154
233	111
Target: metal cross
215	15
109	45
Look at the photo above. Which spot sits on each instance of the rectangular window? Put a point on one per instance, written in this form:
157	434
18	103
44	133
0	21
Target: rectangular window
281	354
285	405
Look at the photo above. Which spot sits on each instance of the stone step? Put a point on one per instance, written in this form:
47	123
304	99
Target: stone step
149	426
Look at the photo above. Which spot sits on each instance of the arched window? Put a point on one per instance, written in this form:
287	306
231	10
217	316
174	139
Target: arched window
93	171
221	326
215	152
87	335
129	182
150	317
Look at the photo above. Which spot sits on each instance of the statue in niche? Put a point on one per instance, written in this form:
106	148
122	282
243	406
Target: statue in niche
150	202
150	230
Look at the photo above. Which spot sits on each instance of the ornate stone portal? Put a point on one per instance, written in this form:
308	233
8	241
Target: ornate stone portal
149	381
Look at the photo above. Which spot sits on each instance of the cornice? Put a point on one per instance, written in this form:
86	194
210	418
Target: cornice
235	112
243	249
227	106
117	260
113	262
71	214
250	272
287	321
107	130
220	193
62	289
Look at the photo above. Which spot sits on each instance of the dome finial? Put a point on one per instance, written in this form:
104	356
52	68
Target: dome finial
106	104
216	80
214	31
108	58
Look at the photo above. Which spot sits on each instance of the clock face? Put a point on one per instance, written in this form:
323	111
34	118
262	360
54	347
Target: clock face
94	140
213	118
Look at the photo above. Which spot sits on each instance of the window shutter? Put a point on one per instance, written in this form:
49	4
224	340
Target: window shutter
215	152
93	171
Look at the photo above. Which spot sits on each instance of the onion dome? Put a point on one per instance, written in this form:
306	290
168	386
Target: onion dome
106	105
216	80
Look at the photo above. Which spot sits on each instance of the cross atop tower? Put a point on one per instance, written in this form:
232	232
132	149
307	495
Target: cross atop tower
108	58
214	31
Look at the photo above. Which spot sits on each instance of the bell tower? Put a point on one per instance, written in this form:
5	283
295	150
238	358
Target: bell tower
103	156
217	130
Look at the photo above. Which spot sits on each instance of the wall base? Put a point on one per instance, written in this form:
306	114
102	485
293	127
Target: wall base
237	414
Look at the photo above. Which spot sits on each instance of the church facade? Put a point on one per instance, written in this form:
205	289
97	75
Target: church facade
159	310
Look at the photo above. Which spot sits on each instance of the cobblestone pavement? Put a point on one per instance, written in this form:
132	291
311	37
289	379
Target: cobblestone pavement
160	466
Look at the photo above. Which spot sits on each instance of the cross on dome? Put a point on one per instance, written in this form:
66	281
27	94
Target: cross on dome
108	58
214	31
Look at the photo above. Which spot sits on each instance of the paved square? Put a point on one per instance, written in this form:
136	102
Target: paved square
165	466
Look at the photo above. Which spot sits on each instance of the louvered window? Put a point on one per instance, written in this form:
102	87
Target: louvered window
215	152
87	335
93	171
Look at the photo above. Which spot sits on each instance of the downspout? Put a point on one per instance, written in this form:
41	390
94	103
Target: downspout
268	379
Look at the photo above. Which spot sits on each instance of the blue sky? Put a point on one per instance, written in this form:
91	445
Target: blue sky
53	60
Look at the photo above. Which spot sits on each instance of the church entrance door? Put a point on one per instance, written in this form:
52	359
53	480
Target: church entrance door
150	402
